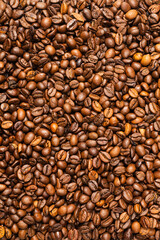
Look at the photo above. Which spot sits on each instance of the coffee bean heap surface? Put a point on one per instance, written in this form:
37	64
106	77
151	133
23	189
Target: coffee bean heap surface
80	119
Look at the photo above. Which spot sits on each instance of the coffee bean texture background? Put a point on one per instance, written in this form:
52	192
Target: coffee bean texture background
80	119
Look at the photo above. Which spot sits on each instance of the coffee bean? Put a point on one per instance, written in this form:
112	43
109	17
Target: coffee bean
72	25
127	194
2	231
108	112
136	227
73	234
104	156
93	185
153	108
37	111
146	59
107	222
95	197
124	217
140	150
109	90
3	97
6	124
115	151
131	14
108	13
102	141
118	39
46	21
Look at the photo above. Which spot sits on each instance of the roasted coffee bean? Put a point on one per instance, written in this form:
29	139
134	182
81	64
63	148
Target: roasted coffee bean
79	119
2	231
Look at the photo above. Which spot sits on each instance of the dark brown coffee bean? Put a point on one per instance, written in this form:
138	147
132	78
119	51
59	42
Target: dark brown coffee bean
73	234
93	185
107	13
127	194
95	197
72	25
107	222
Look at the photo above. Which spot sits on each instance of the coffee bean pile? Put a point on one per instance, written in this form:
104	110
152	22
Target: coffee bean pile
80	119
